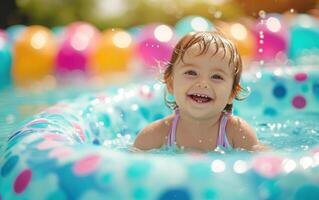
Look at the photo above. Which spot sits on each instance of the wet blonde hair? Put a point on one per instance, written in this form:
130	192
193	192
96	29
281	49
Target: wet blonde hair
204	39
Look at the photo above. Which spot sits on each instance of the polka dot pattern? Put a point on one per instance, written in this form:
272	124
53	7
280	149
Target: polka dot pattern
279	91
22	181
315	89
86	165
9	165
178	193
270	112
62	150
301	77
299	102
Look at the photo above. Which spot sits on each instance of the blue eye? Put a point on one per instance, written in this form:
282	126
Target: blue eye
191	73
216	76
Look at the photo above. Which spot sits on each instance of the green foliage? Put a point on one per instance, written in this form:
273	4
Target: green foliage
123	13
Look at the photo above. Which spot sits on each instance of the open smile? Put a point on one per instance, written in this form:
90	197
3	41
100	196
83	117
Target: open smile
200	98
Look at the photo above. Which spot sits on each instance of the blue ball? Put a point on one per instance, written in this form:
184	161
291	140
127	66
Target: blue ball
5	64
14	31
302	33
192	23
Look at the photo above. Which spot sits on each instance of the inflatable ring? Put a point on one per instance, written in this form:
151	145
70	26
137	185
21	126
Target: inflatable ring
78	150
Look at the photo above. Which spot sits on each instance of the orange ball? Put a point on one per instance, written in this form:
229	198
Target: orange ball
112	53
241	36
34	52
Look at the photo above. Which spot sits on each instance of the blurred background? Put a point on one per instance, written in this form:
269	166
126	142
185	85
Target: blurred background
52	50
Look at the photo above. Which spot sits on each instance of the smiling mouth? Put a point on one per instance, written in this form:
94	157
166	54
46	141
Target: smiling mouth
200	98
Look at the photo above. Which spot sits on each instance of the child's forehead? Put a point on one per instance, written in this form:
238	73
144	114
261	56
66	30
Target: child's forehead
211	52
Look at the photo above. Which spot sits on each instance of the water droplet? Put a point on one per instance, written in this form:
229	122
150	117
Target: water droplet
262	14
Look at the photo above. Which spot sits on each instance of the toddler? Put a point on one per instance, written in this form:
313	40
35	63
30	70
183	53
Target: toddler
203	76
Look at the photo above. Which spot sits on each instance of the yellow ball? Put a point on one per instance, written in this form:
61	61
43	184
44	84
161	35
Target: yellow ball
112	53
241	36
34	52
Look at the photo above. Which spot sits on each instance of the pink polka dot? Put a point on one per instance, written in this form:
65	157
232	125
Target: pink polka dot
86	165
102	97
145	93
61	152
52	136
22	181
268	166
40	120
48	144
79	130
299	102
300	77
315	150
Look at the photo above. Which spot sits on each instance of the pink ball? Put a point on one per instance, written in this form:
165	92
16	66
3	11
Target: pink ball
271	38
3	34
155	44
78	41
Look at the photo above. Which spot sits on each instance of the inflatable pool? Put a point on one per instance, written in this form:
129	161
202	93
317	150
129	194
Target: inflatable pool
81	149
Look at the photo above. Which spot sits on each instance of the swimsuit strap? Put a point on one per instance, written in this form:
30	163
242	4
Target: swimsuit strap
222	137
172	134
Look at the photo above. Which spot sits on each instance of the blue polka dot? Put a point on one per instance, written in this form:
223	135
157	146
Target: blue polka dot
107	178
270	111
140	193
304	88
94	128
96	141
255	98
138	169
279	91
209	194
39	125
105	119
176	194
9	165
145	112
235	111
158	116
315	89
309	192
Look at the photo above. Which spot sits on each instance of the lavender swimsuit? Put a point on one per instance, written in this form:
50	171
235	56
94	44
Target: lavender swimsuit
222	137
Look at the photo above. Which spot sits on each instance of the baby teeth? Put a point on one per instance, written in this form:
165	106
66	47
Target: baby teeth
201	95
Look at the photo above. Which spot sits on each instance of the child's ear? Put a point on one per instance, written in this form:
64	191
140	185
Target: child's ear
169	85
230	100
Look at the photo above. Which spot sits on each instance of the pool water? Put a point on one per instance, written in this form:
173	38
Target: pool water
81	148
286	134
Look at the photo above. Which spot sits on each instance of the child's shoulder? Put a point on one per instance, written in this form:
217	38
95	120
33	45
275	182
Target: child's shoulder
155	134
241	134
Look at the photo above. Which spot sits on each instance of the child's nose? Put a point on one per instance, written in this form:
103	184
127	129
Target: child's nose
202	84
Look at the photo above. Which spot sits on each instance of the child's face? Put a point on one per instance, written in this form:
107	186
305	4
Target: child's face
202	85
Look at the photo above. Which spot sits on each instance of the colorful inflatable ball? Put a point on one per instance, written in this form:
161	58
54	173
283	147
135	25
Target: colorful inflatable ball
192	23
112	52
14	31
5	61
33	55
155	44
304	30
78	41
271	36
241	35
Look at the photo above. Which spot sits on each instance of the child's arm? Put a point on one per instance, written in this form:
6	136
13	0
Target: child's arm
152	136
242	135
